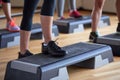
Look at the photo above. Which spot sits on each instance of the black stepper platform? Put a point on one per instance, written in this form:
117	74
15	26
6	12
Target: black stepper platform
113	40
39	66
73	50
73	25
8	39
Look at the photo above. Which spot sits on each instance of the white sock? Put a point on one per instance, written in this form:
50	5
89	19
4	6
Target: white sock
45	44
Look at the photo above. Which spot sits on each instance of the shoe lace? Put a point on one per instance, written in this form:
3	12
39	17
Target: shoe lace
55	44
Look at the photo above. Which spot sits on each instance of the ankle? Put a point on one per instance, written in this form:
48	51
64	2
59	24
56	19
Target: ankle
47	41
94	31
23	52
9	20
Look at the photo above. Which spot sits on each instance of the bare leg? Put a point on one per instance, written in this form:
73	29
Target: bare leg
96	14
46	23
24	40
49	46
26	24
7	10
11	26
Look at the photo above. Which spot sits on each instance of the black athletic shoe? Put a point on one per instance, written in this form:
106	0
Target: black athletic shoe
27	53
93	36
53	49
118	28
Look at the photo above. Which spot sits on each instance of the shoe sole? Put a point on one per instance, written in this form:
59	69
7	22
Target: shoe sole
118	32
13	31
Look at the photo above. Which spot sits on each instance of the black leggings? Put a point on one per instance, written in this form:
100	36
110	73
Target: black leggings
6	1
48	8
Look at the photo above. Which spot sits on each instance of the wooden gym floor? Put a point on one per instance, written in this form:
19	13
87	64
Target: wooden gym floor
108	72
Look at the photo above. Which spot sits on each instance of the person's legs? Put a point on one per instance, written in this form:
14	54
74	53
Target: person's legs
11	26
96	15
49	46
46	22
73	10
118	14
47	19
26	24
7	10
60	8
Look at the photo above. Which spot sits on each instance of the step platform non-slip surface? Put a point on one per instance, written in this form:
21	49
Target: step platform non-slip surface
73	25
38	66
113	40
8	39
73	50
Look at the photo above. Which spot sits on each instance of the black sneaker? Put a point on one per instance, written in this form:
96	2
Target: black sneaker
93	36
118	28
27	53
53	49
